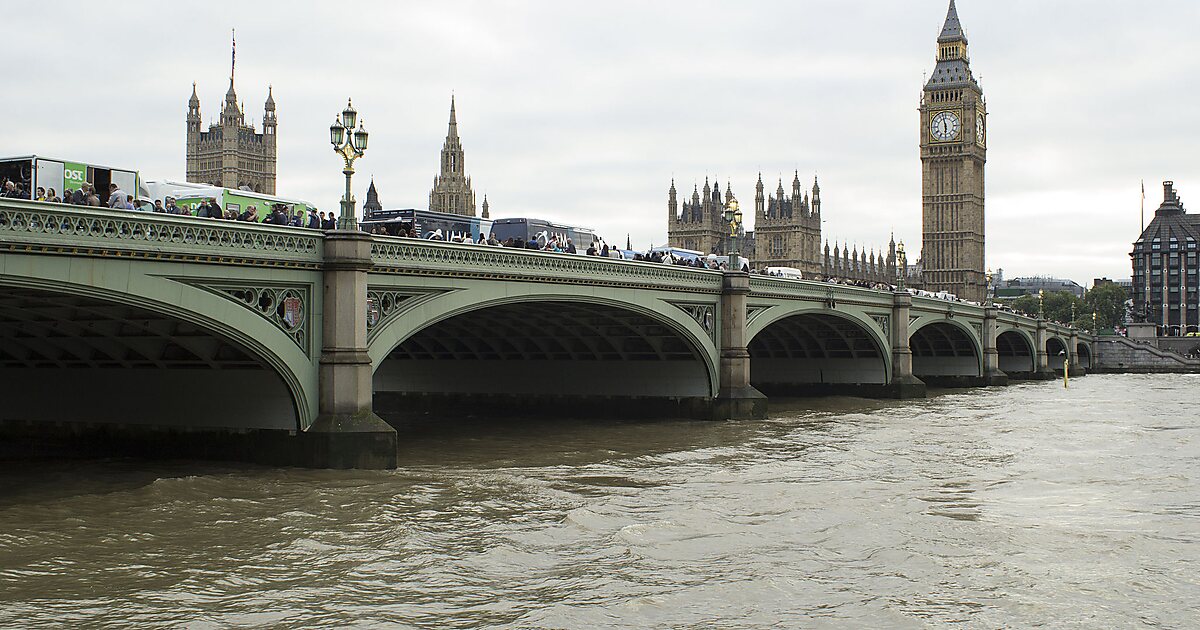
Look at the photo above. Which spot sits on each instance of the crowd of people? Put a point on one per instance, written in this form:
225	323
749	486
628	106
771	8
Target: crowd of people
118	199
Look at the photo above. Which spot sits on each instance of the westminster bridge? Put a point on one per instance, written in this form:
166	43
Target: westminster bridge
300	347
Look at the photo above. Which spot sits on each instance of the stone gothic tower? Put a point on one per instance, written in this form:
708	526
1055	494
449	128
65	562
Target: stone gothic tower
787	230
232	154
953	154
372	204
452	191
700	226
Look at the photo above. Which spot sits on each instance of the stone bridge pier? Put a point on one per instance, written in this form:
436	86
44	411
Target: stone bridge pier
736	399
347	433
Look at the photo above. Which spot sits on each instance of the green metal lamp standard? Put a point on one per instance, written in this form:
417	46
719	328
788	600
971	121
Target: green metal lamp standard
733	216
350	144
901	267
1042	303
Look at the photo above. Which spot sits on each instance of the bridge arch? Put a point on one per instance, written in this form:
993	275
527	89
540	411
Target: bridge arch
1056	352
946	353
1084	349
816	351
1017	354
102	354
580	354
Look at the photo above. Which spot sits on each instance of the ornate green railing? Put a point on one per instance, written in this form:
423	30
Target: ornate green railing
61	229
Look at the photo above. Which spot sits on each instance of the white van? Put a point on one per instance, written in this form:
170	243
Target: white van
785	272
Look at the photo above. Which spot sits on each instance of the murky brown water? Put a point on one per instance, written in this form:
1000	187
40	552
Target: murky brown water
1012	507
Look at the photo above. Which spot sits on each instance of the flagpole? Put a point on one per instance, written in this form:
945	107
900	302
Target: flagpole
1143	206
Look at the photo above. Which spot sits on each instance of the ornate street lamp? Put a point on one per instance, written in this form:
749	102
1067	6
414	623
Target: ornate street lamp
1042	303
733	216
902	267
350	143
1095	325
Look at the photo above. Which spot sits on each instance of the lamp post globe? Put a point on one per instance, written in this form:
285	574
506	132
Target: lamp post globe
336	133
349	115
360	138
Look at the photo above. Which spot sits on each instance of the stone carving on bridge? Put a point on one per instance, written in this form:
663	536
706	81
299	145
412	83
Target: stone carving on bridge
884	322
384	305
704	314
147	234
752	312
287	306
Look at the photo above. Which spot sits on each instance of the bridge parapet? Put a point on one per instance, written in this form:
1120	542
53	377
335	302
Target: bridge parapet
768	286
429	258
37	227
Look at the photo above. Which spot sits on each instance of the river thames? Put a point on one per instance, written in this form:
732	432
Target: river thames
1015	507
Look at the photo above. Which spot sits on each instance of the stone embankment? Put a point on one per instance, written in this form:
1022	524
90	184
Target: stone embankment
1120	354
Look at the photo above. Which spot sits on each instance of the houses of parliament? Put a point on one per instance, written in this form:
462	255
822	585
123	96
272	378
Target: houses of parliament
953	151
231	153
787	232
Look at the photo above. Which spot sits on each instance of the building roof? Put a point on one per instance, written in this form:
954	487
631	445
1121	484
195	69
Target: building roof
951	73
952	30
1171	221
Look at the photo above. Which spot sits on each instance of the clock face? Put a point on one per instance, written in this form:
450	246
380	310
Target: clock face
979	134
944	126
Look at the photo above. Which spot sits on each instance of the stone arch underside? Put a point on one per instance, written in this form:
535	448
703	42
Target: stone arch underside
1056	353
563	357
1017	357
81	359
1085	354
815	354
944	355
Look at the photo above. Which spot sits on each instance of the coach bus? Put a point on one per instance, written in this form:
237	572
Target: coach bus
526	229
188	195
427	224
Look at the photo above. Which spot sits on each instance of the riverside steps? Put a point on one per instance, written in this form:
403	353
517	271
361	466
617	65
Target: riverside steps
177	335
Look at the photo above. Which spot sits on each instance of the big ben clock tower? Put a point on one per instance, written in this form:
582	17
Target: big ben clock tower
953	153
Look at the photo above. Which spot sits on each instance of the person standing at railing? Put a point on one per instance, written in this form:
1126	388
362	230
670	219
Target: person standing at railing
116	197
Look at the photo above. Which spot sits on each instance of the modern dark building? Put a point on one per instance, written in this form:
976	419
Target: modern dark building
1164	268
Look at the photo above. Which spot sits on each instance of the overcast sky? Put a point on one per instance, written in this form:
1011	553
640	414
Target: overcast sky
584	111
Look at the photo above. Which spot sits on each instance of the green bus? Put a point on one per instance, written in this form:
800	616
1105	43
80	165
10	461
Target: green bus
188	195
35	171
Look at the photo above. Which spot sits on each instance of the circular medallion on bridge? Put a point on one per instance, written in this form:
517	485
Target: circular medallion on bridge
372	312
292	309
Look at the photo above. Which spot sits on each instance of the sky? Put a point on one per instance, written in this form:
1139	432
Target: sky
583	112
